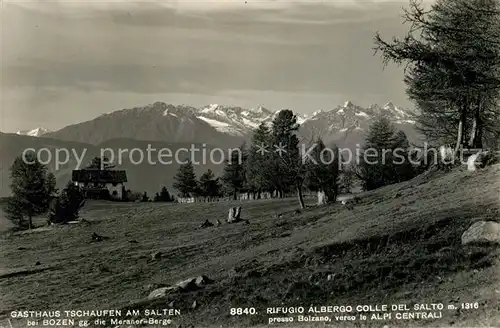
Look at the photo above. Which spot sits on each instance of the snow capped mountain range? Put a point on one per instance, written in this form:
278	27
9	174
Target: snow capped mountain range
347	124
349	116
224	125
233	120
240	122
349	110
38	132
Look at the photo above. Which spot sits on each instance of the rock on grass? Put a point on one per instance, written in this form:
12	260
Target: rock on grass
482	232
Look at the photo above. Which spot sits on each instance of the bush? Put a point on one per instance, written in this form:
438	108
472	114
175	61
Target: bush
133	196
66	206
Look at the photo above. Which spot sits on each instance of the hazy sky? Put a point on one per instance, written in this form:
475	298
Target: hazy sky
68	61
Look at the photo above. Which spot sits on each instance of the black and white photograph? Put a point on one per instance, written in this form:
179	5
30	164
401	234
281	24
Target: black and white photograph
249	163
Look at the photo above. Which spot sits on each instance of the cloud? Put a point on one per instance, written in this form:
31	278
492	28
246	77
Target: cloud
94	54
209	5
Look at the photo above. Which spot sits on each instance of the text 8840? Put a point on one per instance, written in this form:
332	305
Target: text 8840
242	311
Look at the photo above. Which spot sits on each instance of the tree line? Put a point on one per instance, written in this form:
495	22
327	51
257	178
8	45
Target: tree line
277	162
187	185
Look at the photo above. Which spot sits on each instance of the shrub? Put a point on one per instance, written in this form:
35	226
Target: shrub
66	206
133	196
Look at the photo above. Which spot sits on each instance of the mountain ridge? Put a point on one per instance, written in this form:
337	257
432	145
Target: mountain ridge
215	122
174	127
347	124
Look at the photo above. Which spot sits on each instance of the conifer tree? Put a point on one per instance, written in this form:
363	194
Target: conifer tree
402	167
233	176
323	173
452	53
164	195
258	167
185	180
145	197
209	185
32	188
385	158
289	166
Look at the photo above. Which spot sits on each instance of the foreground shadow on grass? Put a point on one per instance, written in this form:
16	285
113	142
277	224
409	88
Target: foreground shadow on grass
375	267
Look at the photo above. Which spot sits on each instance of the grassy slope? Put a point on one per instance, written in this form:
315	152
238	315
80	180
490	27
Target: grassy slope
403	249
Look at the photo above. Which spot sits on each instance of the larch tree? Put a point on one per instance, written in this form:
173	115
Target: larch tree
32	190
288	158
233	176
452	57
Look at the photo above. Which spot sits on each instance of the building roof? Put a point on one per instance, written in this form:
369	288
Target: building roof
100	176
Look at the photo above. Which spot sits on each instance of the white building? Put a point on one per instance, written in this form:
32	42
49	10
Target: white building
101	184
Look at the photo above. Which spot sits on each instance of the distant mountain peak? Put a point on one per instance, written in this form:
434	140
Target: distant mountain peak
260	109
348	103
389	105
213	106
38	132
157	105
